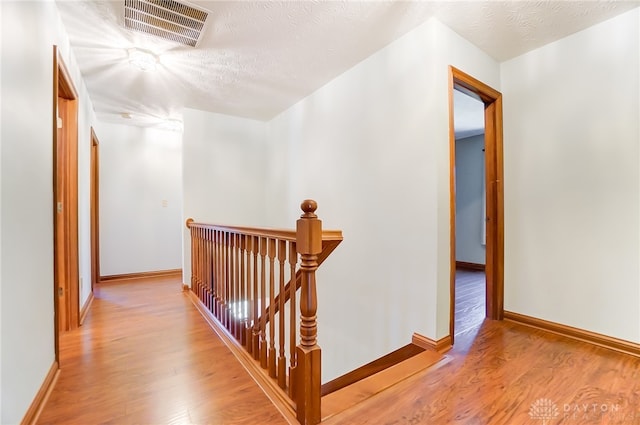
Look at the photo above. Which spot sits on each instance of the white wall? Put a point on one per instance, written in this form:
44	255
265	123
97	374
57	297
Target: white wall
140	199
224	169
469	200
571	162
29	30
372	147
1	32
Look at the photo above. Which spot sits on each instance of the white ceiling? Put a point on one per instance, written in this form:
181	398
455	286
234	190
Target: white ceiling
257	58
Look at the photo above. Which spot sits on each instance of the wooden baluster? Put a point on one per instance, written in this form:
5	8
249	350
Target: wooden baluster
243	291
214	277
256	298
230	294
200	268
194	253
282	360
250	316
203	268
293	314
194	260
227	280
220	261
237	310
206	267
192	231
206	275
220	274
216	271
232	285
207	270
272	301
309	243
263	303
221	294
220	242
212	268
240	300
199	259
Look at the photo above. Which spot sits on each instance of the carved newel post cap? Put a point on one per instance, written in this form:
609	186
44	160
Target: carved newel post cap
309	207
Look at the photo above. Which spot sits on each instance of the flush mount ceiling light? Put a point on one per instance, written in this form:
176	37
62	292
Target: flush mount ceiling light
143	59
172	124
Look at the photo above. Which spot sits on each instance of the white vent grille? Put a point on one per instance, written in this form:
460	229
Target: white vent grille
167	19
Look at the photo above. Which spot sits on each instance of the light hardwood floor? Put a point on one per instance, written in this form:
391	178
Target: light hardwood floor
470	300
502	373
145	356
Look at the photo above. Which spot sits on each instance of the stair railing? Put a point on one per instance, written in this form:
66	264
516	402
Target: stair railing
252	280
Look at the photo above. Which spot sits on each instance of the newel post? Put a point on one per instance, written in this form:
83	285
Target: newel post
188	223
309	245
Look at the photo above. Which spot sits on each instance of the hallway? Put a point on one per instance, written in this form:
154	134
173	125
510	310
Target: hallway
146	356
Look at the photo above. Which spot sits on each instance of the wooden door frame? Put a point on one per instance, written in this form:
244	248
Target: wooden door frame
95	209
494	267
65	191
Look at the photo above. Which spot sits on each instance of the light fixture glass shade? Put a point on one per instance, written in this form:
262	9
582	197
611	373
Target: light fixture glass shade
143	59
172	124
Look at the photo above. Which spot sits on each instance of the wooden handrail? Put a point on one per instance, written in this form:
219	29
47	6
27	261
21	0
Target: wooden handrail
239	275
265	232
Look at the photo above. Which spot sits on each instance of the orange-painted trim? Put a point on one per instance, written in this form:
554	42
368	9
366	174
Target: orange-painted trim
95	208
85	308
470	266
42	396
371	368
452	208
600	340
442	345
141	275
494	267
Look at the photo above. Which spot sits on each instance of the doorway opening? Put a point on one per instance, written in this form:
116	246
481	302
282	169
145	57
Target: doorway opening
65	208
493	217
470	243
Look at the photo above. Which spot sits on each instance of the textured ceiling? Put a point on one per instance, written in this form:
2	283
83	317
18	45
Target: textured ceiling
257	58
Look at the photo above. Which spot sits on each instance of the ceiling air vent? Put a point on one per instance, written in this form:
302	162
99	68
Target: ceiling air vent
166	19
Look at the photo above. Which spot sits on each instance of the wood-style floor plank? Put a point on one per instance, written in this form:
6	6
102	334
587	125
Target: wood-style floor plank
470	300
145	356
353	394
499	371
